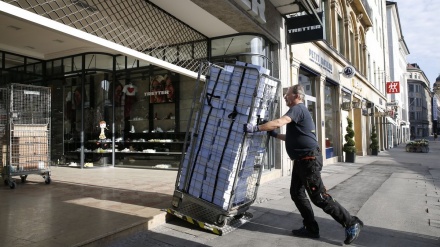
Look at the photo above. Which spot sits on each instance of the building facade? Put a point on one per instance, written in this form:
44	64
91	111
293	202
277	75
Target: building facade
419	100
397	102
133	64
436	106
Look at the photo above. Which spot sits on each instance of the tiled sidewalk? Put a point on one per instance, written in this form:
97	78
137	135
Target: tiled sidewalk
82	205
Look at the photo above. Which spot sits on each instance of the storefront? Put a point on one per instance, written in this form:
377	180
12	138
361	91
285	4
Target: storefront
110	64
118	110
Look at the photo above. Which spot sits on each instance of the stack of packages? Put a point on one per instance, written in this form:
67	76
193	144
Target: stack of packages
221	152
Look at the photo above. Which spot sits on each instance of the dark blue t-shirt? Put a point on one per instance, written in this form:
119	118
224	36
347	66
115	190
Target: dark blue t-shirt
300	133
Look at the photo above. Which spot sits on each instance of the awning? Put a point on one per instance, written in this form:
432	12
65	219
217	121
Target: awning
23	14
391	121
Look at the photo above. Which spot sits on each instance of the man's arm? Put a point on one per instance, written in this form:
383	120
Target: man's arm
275	124
269	127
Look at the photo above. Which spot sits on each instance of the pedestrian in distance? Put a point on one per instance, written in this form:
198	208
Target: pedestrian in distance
302	147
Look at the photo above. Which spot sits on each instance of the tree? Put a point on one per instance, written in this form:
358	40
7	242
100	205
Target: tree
374	142
350	145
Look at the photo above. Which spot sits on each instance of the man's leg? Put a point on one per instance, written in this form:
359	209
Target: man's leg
299	197
319	196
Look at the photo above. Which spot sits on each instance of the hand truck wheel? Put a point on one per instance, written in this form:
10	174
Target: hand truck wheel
12	184
238	216
222	220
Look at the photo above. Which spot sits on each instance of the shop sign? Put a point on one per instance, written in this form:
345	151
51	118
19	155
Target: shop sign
304	28
320	61
380	114
393	87
357	105
255	8
394	103
356	85
348	72
365	112
346	106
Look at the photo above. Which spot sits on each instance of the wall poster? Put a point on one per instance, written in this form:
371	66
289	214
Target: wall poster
162	88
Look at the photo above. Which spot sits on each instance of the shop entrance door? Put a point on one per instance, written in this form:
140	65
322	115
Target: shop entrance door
310	103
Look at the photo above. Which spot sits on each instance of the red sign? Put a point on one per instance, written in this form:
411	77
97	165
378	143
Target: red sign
393	87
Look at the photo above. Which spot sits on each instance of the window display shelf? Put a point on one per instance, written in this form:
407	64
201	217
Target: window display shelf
127	152
138	120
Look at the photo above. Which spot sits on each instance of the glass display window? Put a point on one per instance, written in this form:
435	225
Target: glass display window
330	114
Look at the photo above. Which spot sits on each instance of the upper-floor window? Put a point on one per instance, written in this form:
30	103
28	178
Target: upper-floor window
417	88
411	87
340	35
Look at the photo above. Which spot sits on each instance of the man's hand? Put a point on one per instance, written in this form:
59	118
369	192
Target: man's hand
250	128
273	133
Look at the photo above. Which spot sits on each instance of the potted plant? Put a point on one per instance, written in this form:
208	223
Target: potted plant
374	143
349	146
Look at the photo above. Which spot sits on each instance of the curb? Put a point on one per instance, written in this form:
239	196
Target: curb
135	228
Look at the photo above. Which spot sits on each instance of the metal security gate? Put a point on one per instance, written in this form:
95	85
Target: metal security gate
25	124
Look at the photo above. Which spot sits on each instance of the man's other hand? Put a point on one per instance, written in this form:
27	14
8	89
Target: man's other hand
273	133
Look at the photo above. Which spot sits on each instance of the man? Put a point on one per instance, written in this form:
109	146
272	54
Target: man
302	147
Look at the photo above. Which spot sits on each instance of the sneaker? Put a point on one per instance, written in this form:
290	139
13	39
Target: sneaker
352	232
304	233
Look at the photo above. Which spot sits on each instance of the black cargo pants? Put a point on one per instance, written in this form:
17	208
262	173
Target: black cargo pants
306	176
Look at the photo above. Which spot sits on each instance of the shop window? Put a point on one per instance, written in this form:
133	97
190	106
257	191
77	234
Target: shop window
13	61
307	80
330	120
99	61
67	64
245	48
120	62
77	63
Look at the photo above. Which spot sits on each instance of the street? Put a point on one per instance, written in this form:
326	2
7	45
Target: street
396	194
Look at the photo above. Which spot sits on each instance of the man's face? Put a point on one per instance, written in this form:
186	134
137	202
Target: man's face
290	97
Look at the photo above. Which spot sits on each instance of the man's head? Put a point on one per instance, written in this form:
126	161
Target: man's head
294	95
